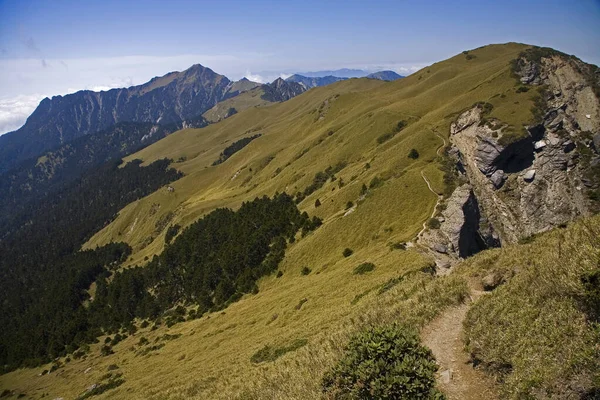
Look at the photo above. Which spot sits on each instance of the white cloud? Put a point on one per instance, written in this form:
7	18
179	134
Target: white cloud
265	77
14	111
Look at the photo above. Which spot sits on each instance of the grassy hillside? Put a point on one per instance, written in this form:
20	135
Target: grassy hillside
352	122
247	99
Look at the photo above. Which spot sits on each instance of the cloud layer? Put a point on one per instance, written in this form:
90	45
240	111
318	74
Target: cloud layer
14	112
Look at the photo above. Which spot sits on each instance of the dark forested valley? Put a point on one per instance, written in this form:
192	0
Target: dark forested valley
45	278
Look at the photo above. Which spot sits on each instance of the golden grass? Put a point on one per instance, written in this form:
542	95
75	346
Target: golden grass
241	102
532	332
212	358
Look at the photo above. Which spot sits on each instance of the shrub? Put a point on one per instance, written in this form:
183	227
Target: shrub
270	353
103	387
383	363
106	350
143	341
364	268
522	89
375	182
347	252
433	223
279	274
398	246
317	203
112	367
349	205
172	231
305	271
591	296
414	154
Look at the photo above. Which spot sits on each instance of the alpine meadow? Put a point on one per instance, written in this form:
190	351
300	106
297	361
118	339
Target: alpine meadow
343	234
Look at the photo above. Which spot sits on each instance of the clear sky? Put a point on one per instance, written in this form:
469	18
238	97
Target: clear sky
56	47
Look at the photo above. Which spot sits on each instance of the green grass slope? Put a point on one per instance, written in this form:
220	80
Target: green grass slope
244	100
306	319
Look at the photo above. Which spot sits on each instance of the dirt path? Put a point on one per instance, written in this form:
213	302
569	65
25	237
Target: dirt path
440	197
434	208
456	377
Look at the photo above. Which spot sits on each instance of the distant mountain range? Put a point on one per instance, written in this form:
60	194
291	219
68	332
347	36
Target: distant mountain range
171	99
177	99
314	81
311	82
339	73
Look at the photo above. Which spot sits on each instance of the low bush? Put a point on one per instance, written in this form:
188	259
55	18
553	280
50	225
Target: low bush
383	363
270	353
414	154
102	387
434	223
106	350
364	268
347	252
305	271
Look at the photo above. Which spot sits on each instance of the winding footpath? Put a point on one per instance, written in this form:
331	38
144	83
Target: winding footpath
456	377
439	196
444	336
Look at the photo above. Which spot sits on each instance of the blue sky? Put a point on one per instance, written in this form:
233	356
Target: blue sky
57	47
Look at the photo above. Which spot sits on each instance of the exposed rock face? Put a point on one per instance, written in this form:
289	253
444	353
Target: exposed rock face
463	231
280	90
311	82
173	98
544	179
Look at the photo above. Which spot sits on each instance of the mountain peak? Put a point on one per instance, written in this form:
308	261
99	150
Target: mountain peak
385	75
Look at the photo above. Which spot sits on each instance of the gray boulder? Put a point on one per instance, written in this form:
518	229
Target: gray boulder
498	178
529	175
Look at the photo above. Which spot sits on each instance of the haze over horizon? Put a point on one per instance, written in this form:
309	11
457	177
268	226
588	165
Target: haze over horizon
56	48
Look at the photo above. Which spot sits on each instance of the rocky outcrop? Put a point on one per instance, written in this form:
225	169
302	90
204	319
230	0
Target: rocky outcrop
463	229
280	90
547	176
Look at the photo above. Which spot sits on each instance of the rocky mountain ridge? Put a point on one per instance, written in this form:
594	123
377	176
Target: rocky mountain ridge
281	90
172	98
520	185
311	82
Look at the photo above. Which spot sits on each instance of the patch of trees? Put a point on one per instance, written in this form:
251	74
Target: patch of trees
395	130
209	265
319	180
44	276
234	148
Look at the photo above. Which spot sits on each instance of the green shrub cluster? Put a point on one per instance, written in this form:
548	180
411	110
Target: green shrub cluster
383	363
363	268
172	231
319	180
387	136
433	223
270	353
234	148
